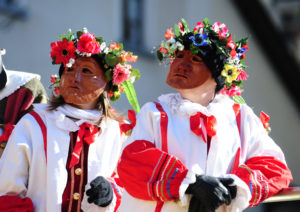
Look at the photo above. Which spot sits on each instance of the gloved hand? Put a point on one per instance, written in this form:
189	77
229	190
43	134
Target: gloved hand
210	192
197	206
100	193
228	183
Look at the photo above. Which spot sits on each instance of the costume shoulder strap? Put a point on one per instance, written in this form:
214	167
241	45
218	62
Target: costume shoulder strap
237	111
42	125
163	127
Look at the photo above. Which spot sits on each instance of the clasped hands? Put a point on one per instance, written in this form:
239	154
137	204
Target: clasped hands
209	193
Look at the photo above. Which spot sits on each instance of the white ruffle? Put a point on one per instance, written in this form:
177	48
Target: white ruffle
15	79
63	114
185	107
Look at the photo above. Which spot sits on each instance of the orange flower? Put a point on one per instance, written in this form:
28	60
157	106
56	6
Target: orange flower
113	46
128	57
169	34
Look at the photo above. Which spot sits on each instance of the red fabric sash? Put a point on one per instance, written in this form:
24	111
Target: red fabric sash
88	133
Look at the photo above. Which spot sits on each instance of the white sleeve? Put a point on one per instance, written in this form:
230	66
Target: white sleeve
15	161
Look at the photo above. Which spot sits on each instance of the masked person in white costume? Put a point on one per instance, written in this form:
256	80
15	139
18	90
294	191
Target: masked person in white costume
18	91
198	150
62	155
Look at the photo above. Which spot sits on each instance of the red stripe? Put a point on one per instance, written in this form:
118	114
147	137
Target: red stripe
237	112
164	140
163	127
43	128
159	206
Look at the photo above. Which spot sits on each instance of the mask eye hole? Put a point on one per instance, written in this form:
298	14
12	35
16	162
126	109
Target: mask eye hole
87	71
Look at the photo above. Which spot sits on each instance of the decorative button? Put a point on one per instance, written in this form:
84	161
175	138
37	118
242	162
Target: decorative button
78	171
76	196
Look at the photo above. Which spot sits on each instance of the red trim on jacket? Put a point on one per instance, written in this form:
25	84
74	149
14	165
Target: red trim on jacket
150	174
265	176
43	127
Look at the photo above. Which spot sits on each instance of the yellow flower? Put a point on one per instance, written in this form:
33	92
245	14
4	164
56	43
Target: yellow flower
230	73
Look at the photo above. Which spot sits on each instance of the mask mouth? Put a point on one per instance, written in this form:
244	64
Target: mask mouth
180	76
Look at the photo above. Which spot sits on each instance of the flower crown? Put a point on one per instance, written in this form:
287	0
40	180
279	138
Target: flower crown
120	74
202	37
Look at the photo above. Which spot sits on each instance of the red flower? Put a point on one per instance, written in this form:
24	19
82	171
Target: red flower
231	91
242	75
110	94
88	44
163	50
62	51
199	26
181	27
56	91
121	73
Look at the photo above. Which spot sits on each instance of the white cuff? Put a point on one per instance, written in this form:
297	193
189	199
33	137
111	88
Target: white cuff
183	197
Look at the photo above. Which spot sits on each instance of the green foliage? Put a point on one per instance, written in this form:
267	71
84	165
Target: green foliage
239	99
111	60
108	74
176	30
131	95
159	55
136	73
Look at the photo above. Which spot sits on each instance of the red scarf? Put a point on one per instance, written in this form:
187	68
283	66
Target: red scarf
88	133
209	124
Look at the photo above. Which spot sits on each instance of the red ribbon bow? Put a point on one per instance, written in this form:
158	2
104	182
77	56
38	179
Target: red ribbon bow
209	122
88	133
132	118
264	118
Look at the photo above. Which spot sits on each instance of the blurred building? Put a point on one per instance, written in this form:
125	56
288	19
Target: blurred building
27	27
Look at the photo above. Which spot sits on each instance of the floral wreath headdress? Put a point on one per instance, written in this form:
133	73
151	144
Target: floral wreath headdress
214	44
120	74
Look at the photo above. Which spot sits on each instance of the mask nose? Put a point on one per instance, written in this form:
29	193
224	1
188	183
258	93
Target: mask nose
77	75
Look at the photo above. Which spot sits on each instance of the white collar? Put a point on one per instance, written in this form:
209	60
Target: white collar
178	105
15	79
61	116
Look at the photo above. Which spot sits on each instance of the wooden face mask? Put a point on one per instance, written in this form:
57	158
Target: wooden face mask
83	83
187	71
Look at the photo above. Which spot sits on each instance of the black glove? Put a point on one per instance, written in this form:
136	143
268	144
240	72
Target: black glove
210	191
197	206
228	183
100	193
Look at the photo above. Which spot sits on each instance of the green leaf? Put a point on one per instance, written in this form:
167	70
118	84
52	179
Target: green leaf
110	60
121	46
136	73
239	99
159	55
176	30
99	39
108	74
131	95
79	33
62	37
206	21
